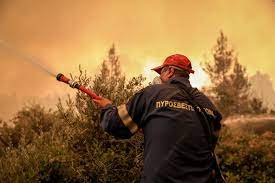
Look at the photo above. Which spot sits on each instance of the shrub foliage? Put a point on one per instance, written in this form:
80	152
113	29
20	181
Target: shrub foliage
68	145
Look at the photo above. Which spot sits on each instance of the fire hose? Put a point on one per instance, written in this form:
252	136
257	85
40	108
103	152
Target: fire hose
74	84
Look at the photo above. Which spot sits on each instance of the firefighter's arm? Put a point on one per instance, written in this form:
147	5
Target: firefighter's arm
122	121
111	122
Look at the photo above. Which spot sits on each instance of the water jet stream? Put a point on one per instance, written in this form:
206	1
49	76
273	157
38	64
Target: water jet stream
30	59
35	62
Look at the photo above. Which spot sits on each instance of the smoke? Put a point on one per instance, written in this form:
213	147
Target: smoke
66	33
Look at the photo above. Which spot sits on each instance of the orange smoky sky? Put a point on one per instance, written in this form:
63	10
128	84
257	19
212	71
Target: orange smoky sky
66	33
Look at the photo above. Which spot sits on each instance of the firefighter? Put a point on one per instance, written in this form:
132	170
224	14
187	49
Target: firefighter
176	143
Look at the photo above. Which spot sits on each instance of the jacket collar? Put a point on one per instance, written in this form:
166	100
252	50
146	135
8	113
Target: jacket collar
180	80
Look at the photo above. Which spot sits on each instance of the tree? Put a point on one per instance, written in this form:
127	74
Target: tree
110	83
229	79
2	123
109	155
257	106
68	145
240	87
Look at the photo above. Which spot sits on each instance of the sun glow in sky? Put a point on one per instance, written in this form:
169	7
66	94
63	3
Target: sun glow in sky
149	64
199	78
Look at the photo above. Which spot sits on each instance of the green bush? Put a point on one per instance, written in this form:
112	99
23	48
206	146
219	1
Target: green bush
246	156
259	127
76	150
68	145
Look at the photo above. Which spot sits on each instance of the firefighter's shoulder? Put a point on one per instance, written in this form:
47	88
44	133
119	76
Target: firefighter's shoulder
157	88
149	89
149	92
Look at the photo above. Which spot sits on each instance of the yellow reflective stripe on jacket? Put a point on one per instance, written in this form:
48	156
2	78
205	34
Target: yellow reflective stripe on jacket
126	118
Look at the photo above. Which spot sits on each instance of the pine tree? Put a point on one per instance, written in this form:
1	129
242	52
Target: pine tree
240	87
229	80
257	106
109	83
223	57
110	80
106	153
1	139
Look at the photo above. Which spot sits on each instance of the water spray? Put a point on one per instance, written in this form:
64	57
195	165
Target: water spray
30	59
35	62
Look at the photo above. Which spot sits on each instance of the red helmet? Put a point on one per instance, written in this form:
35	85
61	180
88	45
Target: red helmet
176	60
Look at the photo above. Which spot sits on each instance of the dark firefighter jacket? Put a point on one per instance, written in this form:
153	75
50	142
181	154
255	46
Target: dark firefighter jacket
164	114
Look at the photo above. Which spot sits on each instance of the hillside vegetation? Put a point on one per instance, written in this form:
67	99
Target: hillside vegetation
67	144
258	124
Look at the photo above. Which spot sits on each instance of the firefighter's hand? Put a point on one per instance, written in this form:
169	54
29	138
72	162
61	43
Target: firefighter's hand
103	102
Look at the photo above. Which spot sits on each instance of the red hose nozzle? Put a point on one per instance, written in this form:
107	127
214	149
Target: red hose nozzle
73	84
61	77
